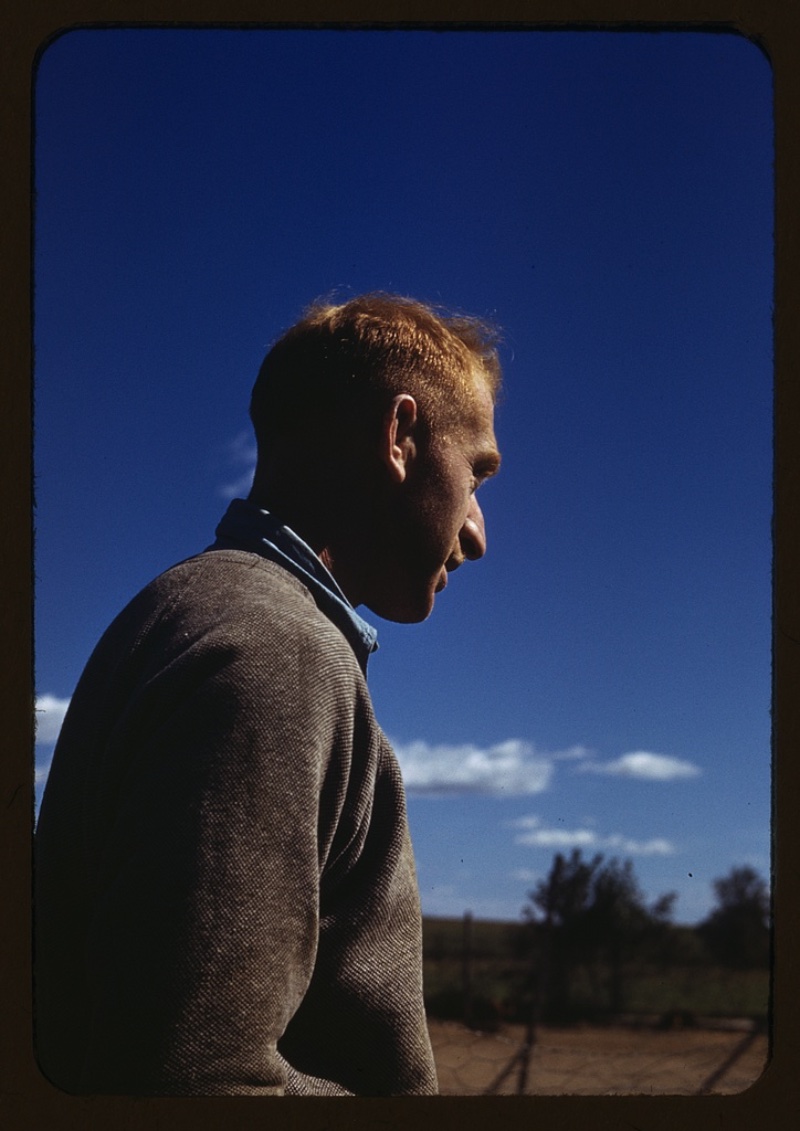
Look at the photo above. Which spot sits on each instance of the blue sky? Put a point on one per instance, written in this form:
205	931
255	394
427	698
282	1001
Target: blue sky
602	678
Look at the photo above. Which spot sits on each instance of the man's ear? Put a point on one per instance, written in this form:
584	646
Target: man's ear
399	436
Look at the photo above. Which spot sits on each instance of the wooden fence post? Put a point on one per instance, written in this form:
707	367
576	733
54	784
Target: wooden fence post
466	966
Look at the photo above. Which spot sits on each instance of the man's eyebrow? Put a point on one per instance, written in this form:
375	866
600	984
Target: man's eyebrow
487	463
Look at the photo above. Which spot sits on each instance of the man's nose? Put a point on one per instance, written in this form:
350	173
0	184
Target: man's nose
472	536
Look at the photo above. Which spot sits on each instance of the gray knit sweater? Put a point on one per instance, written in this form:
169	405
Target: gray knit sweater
226	900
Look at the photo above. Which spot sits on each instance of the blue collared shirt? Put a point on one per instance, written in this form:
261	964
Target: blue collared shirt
245	526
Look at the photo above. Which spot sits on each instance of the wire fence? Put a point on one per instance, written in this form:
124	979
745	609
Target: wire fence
596	1061
514	1047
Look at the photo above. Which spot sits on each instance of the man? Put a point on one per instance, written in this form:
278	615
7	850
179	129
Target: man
226	897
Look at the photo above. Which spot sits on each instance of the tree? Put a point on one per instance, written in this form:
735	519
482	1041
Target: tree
593	914
559	904
737	931
616	922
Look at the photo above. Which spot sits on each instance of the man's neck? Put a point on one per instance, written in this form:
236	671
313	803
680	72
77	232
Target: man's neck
316	532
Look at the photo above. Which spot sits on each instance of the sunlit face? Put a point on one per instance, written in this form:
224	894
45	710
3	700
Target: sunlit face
436	522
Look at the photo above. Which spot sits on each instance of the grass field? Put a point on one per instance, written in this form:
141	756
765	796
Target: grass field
484	958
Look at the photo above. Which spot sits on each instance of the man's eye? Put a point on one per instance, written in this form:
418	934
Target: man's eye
477	481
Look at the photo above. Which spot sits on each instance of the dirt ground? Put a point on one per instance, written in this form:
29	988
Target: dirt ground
592	1061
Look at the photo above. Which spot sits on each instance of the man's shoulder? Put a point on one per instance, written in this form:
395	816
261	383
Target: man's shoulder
237	595
240	575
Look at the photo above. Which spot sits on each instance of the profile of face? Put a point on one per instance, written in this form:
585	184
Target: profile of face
433	522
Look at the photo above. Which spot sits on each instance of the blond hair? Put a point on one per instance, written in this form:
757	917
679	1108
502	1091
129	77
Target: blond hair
347	361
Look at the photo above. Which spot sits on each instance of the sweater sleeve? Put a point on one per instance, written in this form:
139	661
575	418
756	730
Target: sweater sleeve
219	797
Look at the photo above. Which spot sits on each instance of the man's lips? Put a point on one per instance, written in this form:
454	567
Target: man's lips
453	562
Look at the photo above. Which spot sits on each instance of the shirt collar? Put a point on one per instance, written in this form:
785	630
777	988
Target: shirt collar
245	526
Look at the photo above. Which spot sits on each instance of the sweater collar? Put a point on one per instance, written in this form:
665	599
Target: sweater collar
245	526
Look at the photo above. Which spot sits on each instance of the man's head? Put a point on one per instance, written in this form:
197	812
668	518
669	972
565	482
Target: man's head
374	423
347	361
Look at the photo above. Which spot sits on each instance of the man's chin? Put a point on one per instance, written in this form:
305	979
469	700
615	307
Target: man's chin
410	610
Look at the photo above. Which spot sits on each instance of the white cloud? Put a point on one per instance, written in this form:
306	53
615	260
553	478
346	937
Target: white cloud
505	769
50	713
643	765
42	771
536	834
526	875
241	450
525	823
239	489
516	767
571	754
